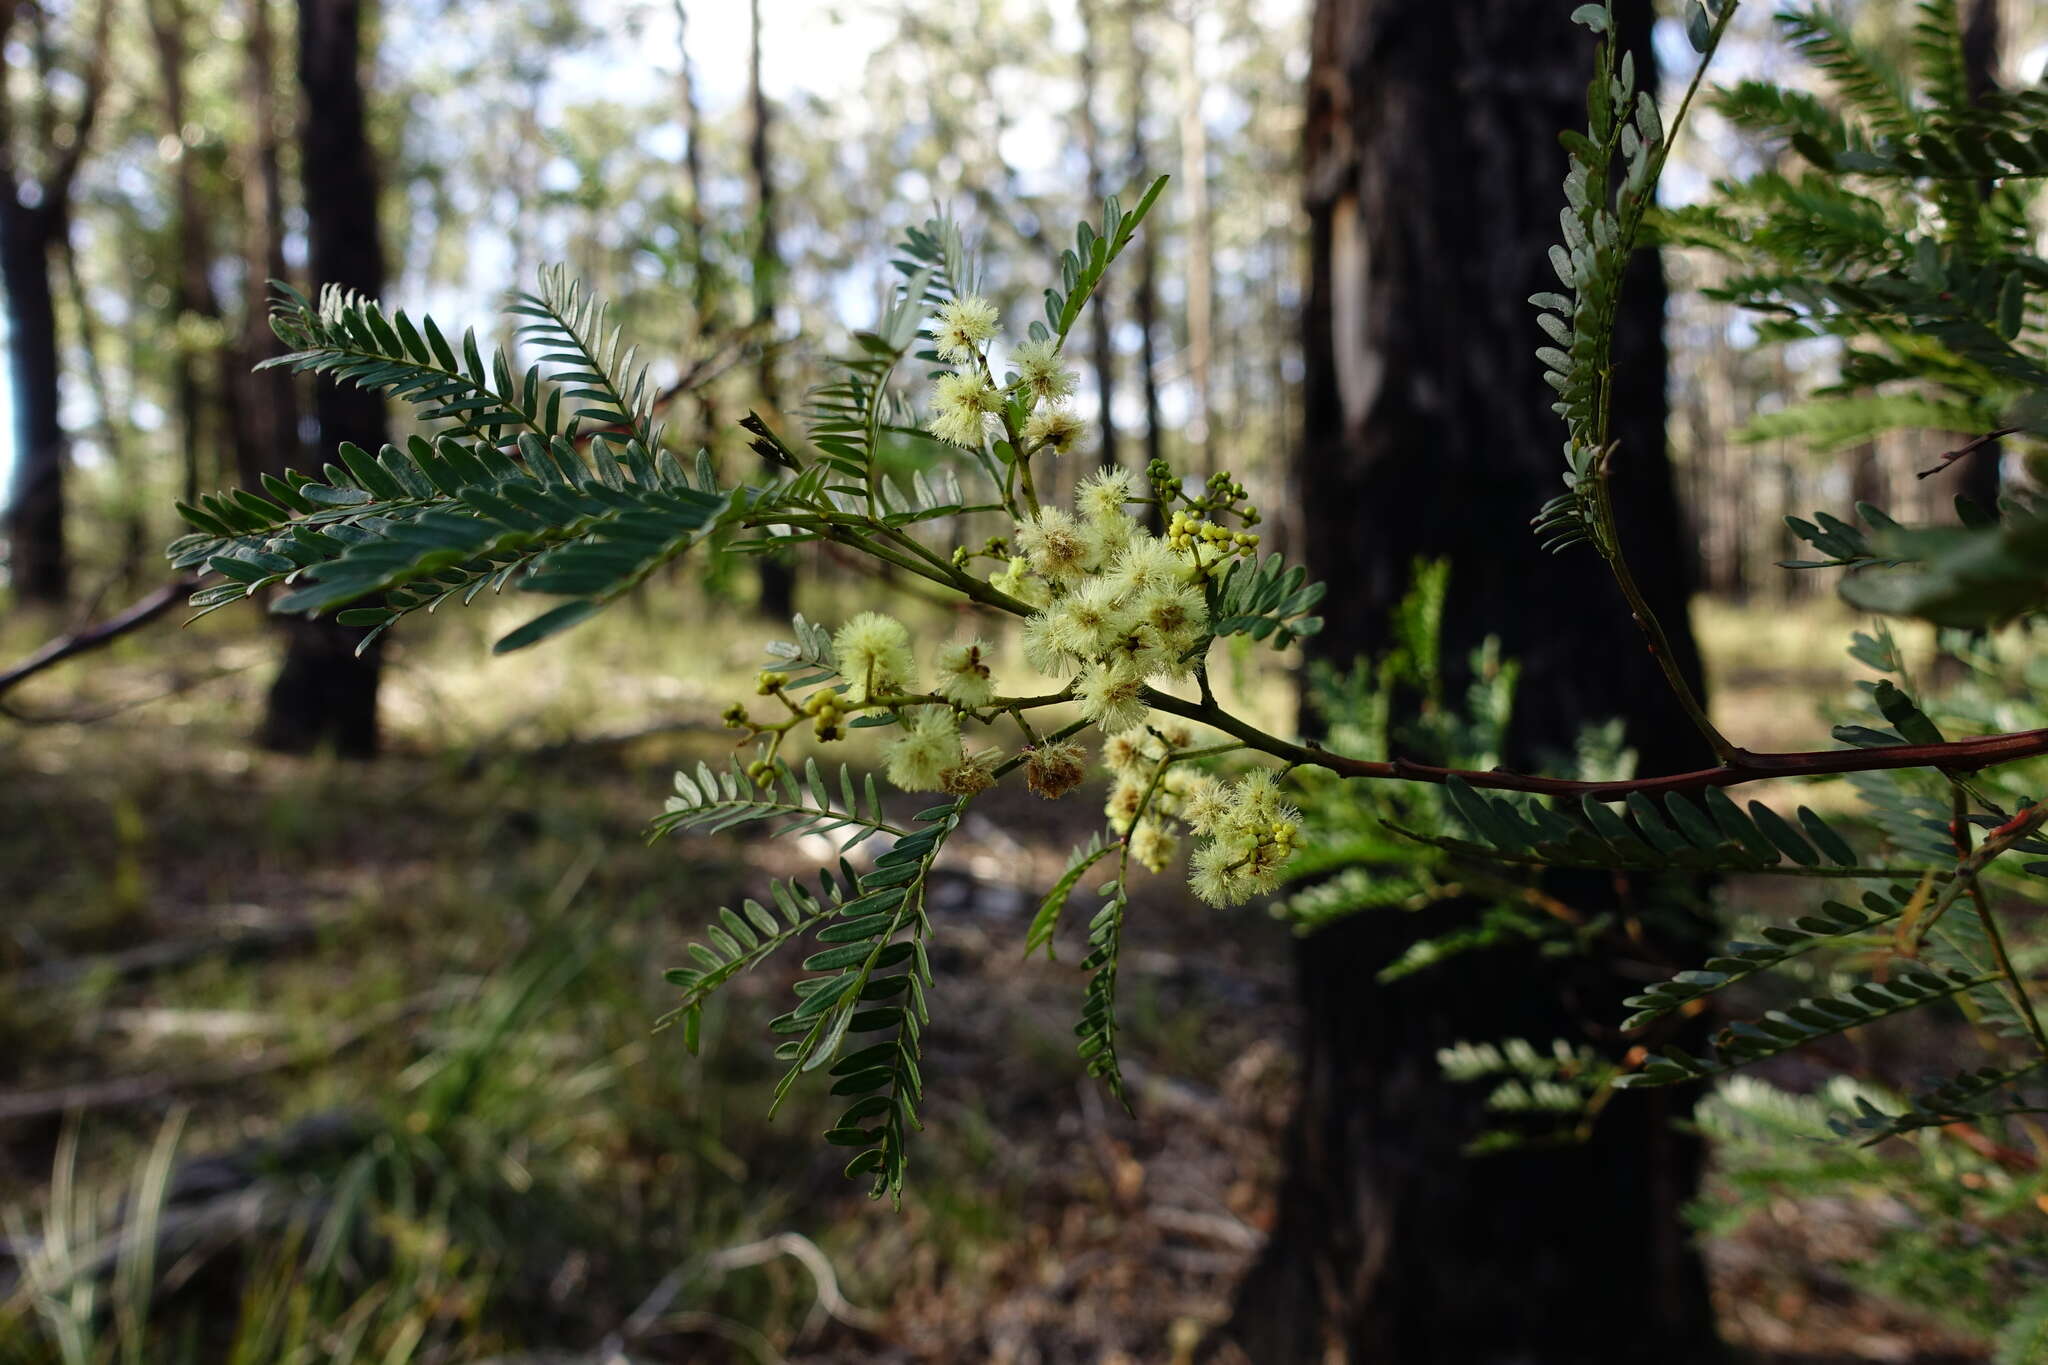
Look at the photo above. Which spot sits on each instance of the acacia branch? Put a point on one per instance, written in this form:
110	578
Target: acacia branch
1743	765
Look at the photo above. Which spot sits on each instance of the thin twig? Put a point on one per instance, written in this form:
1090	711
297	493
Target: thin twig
134	617
1959	830
1949	457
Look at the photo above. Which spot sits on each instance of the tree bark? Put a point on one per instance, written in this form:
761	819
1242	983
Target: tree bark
1433	187
326	694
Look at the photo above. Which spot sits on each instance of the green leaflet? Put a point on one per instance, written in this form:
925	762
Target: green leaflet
1265	600
712	801
1709	833
1752	1040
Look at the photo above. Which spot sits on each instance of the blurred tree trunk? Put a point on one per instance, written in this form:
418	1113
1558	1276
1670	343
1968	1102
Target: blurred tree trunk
1101	357
1146	308
1978	479
778	578
130	509
267	435
1194	190
705	287
192	296
1433	177
326	693
35	205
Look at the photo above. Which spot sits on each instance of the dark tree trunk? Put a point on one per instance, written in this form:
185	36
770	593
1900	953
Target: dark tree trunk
1433	175
38	559
326	694
777	574
35	219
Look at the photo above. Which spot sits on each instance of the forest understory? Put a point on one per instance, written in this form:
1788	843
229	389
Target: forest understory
303	1000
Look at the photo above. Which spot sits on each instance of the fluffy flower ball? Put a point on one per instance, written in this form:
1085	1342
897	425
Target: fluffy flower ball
1055	544
1053	428
964	675
919	760
1252	833
1102	495
1053	770
961	405
1112	695
1040	373
964	327
872	652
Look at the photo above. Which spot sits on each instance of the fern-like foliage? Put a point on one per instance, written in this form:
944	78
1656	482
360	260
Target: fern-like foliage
1746	1042
850	415
1615	164
1834	923
1908	238
738	940
1083	265
1046	921
711	801
443	521
1957	1235
869	978
597	371
510	493
1267	601
1711	834
348	337
1097	1028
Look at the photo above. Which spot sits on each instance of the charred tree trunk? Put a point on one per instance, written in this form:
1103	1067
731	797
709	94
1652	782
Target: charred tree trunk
326	694
1432	168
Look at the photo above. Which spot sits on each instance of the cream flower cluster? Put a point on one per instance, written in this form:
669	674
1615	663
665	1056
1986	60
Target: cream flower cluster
964	400
1247	831
1116	608
1250	833
872	652
1147	804
1112	610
